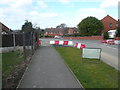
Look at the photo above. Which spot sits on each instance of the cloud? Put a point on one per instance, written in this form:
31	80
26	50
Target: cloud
64	1
73	20
69	1
96	12
42	19
85	12
16	3
42	15
109	4
13	13
42	4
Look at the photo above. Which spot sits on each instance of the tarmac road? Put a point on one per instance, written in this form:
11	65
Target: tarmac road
109	53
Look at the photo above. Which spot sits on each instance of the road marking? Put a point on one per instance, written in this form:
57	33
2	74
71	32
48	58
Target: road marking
111	47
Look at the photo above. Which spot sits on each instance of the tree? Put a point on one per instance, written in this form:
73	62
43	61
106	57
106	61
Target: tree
29	27
118	32
106	35
61	26
90	26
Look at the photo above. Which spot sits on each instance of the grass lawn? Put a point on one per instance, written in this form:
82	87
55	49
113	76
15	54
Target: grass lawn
90	75
10	60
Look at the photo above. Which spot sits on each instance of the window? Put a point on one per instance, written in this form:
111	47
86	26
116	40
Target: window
110	25
116	24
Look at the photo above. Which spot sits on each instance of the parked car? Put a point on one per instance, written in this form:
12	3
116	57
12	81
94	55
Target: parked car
57	37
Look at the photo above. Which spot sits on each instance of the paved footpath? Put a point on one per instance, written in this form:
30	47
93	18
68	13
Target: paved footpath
48	70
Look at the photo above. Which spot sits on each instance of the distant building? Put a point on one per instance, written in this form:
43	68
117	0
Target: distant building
5	29
17	31
72	31
110	26
60	31
54	31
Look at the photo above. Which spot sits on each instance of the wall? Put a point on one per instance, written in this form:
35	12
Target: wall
117	38
86	38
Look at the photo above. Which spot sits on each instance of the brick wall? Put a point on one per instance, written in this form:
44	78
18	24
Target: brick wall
117	38
54	35
86	38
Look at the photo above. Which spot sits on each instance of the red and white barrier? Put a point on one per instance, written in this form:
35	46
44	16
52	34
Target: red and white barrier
117	41
111	42
79	45
39	42
69	43
103	41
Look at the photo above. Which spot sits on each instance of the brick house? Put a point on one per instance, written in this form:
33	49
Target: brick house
54	31
109	23
72	31
5	29
60	31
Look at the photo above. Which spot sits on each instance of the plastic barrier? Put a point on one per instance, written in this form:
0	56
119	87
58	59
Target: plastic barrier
111	42
39	43
117	41
103	41
69	43
79	45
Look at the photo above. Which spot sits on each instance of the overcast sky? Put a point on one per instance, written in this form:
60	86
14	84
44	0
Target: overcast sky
50	13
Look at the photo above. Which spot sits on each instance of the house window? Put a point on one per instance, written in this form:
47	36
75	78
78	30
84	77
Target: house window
110	25
116	24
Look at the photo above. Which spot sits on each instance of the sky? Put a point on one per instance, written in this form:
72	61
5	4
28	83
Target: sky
50	13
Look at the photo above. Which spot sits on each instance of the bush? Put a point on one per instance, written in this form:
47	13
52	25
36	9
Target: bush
41	35
106	35
118	32
72	35
49	36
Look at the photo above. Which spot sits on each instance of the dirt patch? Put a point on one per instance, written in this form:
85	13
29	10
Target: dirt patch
13	79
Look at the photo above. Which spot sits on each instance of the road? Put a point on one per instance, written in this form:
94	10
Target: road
109	53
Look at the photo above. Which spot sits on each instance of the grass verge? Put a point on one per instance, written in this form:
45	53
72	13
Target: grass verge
10	60
90	75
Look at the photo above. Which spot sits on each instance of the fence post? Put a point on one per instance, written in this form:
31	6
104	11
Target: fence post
32	42
14	40
24	49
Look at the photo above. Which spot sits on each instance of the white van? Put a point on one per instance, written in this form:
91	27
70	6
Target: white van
57	37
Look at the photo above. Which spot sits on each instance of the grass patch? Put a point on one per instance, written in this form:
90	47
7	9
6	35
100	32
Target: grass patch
91	75
10	60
